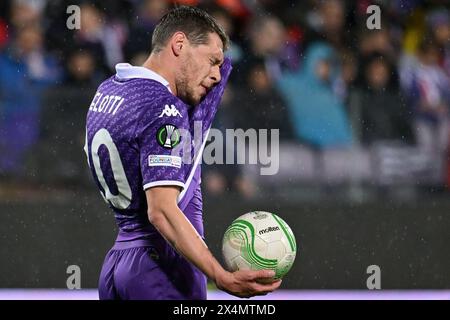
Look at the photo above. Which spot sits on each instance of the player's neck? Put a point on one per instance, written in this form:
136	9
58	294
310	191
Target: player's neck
155	64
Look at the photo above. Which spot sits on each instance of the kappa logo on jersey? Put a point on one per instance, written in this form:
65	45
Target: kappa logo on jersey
170	111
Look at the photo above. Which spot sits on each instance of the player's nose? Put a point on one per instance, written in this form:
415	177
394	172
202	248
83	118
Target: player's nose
215	75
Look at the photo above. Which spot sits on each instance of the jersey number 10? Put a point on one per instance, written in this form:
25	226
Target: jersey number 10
122	200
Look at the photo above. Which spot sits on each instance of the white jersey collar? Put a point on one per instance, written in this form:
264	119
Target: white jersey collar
127	71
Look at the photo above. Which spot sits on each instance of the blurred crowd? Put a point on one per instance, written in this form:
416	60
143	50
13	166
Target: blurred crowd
311	68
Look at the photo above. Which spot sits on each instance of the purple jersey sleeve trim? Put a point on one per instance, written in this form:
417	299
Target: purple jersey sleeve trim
164	183
194	167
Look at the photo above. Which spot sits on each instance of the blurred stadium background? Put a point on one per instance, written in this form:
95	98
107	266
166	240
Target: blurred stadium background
364	164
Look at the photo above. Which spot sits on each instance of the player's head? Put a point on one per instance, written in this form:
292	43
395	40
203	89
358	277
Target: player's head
196	42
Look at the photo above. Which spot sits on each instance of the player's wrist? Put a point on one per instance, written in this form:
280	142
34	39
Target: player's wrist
221	278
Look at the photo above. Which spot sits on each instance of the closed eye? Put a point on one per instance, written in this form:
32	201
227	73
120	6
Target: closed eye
214	62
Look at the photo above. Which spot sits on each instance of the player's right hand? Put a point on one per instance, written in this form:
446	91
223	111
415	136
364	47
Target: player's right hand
248	283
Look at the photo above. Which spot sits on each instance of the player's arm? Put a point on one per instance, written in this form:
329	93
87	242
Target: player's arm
169	220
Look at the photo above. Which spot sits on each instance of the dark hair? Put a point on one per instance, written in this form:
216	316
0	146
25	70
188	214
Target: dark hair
393	79
195	23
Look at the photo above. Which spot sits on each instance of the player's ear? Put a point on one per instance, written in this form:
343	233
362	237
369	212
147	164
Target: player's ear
178	41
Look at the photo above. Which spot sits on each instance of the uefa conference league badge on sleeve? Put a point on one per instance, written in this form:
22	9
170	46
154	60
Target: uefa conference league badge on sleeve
168	136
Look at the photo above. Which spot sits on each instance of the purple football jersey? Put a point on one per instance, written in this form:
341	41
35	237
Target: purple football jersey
134	126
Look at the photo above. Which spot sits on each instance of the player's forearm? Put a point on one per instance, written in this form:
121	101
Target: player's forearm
180	233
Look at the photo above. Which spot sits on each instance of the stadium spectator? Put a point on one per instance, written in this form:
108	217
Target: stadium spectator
430	93
439	24
148	14
382	111
81	69
102	37
377	41
26	70
259	105
317	116
24	13
267	39
326	21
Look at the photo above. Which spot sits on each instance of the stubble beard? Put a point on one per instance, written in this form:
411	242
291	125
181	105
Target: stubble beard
184	92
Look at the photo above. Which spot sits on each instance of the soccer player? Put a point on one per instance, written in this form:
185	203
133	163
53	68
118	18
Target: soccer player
136	152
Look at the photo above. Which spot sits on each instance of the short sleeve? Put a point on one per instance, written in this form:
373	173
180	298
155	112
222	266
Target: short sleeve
161	135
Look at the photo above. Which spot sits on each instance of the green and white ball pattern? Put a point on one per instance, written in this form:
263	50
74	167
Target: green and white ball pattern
259	240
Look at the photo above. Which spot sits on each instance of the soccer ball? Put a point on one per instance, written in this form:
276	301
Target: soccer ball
259	240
